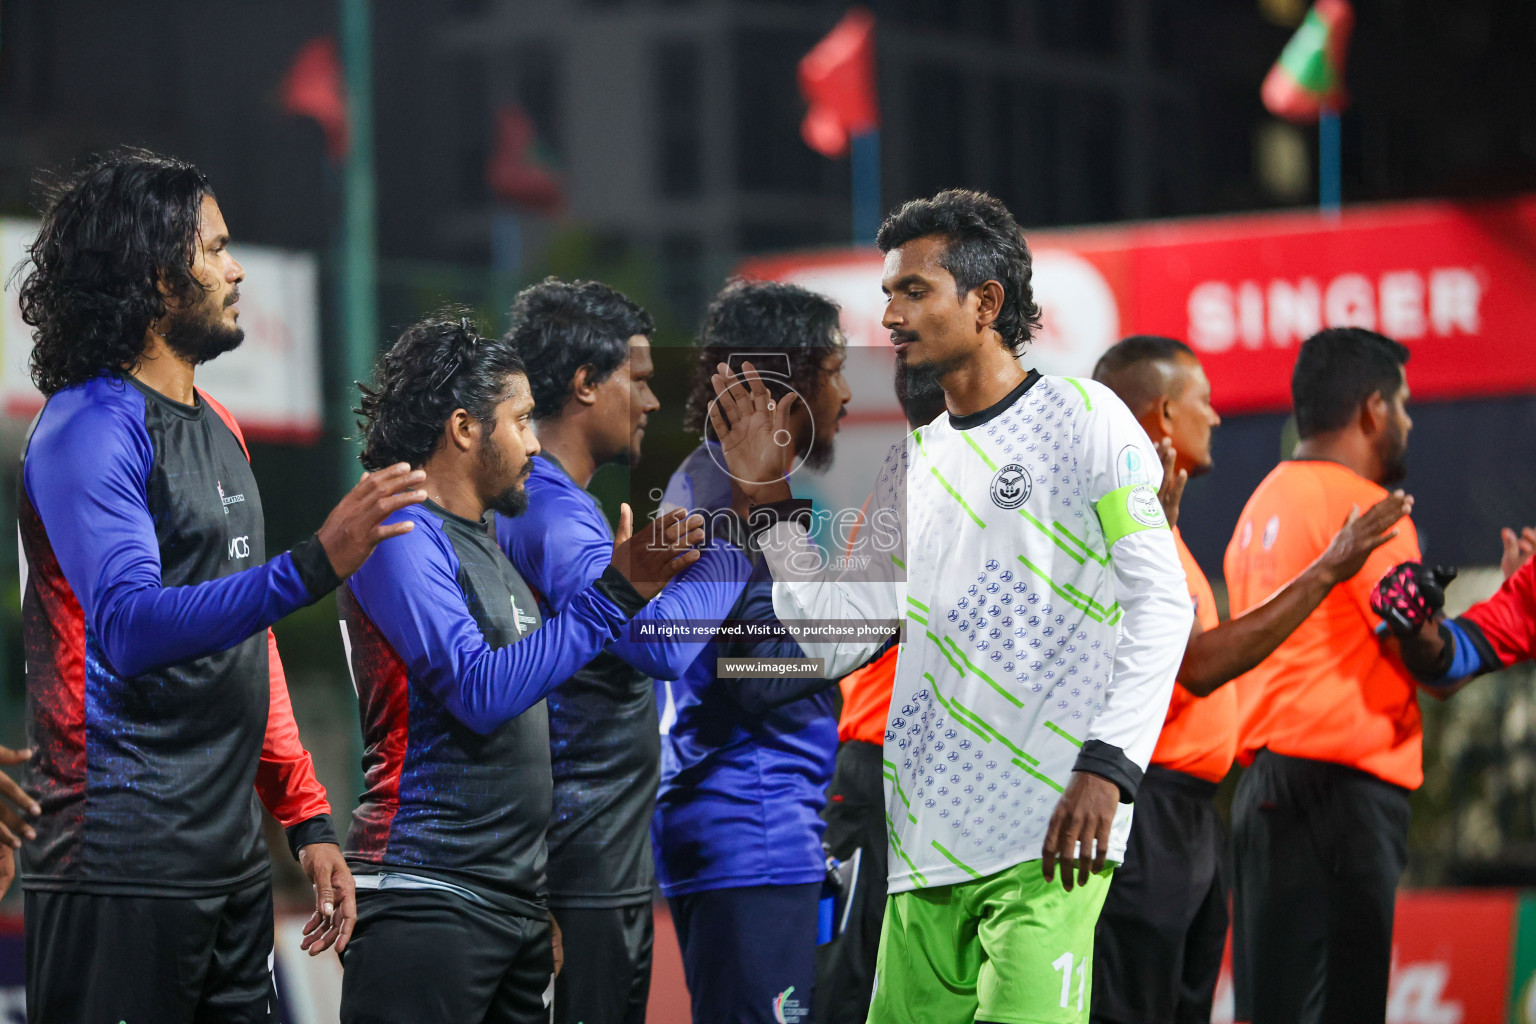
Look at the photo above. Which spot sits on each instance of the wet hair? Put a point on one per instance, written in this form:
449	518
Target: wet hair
111	231
793	331
1127	368
982	243
1338	369
560	326
438	365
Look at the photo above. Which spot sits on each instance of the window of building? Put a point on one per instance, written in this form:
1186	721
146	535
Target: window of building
679	127
770	154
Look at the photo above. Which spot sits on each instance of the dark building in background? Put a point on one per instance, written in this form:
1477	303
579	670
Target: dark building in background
675	123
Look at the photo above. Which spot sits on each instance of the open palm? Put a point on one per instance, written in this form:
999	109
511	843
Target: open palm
752	428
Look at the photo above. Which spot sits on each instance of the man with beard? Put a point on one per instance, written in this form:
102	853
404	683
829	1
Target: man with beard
588	353
155	697
1158	945
1045	616
745	762
452	660
1329	725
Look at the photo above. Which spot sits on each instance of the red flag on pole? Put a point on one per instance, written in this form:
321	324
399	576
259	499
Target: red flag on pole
516	171
1309	76
837	79
313	88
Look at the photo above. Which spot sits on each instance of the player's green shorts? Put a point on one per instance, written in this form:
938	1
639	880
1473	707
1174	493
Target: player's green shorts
1011	948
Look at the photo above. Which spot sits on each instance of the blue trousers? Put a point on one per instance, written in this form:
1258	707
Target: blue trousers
749	954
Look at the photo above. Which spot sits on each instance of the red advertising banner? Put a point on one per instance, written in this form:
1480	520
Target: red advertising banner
1455	282
1451	959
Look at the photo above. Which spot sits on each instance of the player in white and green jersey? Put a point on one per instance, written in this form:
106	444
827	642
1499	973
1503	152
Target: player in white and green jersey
1021	538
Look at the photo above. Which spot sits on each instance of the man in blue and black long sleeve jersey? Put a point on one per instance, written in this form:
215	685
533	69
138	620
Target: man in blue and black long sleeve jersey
453	659
745	762
587	348
155	697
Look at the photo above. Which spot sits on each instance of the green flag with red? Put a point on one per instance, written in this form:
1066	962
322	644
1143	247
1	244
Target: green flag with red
1309	76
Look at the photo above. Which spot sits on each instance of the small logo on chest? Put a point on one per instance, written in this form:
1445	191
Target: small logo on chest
1011	486
524	621
228	499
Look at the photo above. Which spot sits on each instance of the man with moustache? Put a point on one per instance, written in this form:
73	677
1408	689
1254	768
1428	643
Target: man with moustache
1159	941
745	761
588	354
1045	617
452	659
1329	727
155	696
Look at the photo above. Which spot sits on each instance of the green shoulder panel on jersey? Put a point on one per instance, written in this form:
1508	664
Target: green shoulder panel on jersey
1087	402
1129	510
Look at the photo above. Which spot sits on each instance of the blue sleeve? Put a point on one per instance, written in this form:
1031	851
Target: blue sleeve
1467	659
86	474
704	592
761	695
429	626
561	544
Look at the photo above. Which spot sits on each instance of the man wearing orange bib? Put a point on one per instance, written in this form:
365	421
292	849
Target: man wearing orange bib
1329	725
1160	936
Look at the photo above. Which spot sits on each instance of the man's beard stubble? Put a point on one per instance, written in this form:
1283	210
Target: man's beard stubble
201	335
512	500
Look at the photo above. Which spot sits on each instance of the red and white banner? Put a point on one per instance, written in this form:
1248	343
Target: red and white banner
271	383
1455	282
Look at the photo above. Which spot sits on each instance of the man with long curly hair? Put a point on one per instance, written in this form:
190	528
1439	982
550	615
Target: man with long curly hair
745	762
155	697
453	656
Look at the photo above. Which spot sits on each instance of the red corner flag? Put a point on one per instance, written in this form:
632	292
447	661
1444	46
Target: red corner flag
313	88
1309	76
517	171
837	79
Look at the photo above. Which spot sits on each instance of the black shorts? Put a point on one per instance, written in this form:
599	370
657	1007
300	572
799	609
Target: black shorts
607	973
422	955
1317	850
855	816
148	958
1157	949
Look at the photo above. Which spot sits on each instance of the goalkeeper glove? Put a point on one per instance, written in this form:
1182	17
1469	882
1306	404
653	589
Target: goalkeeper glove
1410	594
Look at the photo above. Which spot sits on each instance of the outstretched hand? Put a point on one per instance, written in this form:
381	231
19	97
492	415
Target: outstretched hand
1518	548
1361	534
658	552
354	527
753	430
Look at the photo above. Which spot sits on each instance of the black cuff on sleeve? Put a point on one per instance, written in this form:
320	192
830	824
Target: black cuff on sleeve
1447	653
612	585
1109	761
311	830
1485	652
761	518
314	567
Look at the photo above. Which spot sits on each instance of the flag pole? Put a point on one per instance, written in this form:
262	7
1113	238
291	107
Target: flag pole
865	158
1330	173
359	268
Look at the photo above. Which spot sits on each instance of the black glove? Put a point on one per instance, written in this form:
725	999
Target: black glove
1410	594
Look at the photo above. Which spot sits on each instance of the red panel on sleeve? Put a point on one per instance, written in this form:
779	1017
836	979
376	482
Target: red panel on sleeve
1508	618
285	777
